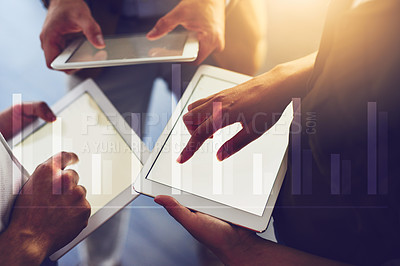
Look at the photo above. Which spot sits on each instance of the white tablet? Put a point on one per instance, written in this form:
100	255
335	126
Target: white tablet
243	188
110	152
181	46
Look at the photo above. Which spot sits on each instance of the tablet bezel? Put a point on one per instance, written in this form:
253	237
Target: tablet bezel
189	54
194	202
126	132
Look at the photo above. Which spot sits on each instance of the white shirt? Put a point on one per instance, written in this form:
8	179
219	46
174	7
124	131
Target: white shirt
11	181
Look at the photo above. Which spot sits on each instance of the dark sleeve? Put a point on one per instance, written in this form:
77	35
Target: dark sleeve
46	3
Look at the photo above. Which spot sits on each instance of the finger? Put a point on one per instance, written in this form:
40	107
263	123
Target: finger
71	175
52	43
163	26
197	116
83	189
79	192
51	51
180	213
202	133
38	109
236	143
92	31
204	51
199	102
191	129
63	159
69	179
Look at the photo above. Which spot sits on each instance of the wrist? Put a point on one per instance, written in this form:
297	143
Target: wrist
289	80
238	253
22	247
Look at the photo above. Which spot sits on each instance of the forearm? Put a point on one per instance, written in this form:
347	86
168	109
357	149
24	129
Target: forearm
21	248
263	252
293	77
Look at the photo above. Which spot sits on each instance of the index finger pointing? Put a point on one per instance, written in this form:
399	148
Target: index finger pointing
201	134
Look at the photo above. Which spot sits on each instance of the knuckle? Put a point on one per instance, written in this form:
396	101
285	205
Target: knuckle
162	22
187	118
70	175
42	106
64	154
79	193
44	168
86	209
87	206
92	27
218	98
67	178
17	109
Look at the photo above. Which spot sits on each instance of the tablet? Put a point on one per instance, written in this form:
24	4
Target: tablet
13	177
180	46
243	188
110	153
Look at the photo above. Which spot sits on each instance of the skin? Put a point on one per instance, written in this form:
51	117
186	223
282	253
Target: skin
43	219
234	245
64	18
67	17
51	208
206	18
255	104
17	117
269	93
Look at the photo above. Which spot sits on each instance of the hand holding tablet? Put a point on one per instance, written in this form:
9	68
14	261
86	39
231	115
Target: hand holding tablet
109	151
243	188
127	50
206	19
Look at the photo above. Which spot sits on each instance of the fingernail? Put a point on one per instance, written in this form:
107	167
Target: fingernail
100	40
222	154
152	32
52	117
179	160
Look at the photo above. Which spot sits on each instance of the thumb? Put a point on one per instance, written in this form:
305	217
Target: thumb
236	143
92	31
180	213
163	26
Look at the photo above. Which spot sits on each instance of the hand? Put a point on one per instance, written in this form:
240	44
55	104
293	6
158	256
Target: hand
222	238
206	18
66	17
17	117
51	209
256	104
234	245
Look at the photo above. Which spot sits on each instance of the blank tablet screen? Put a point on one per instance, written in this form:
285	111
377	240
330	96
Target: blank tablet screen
129	47
106	165
244	180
